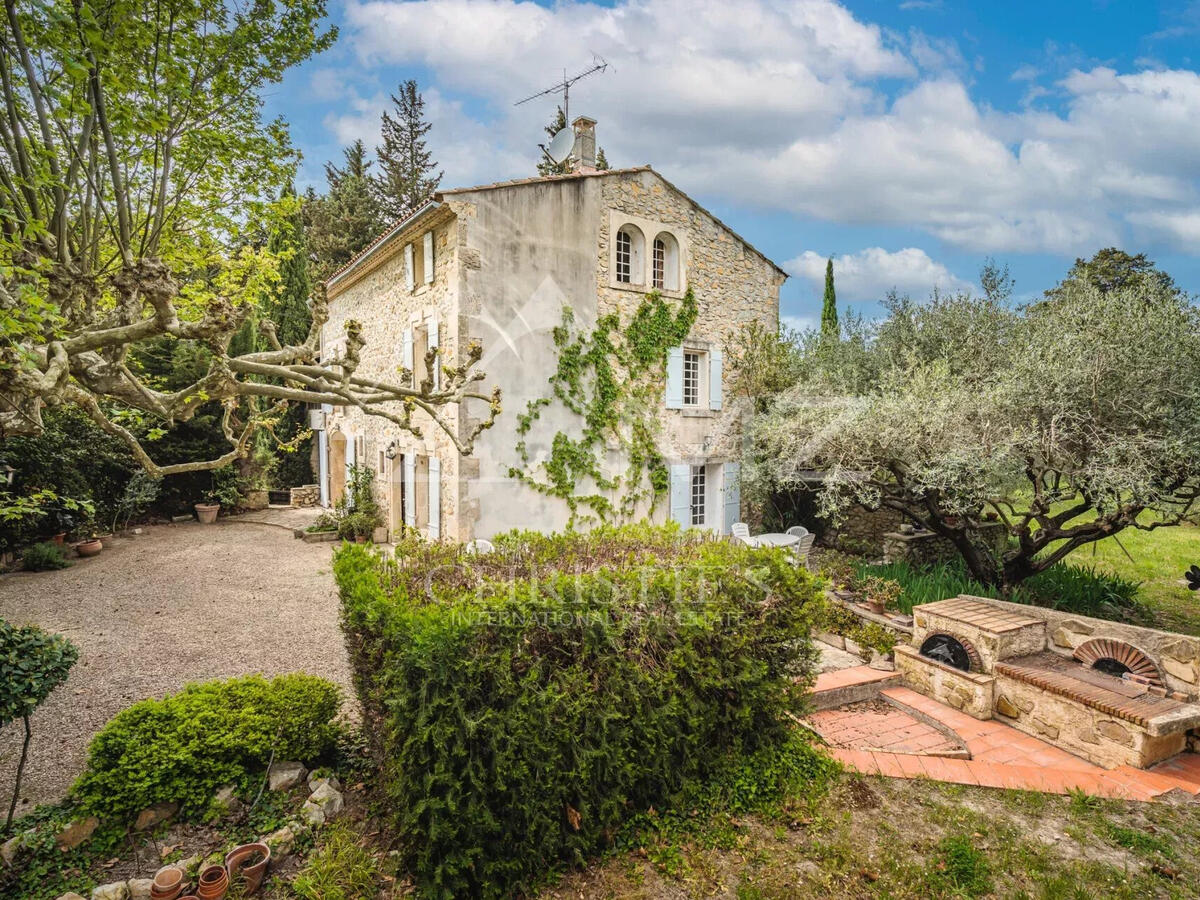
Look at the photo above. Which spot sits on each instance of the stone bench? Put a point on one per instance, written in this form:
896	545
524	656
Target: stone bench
1108	720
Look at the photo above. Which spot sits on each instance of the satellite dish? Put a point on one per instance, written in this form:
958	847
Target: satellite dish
562	145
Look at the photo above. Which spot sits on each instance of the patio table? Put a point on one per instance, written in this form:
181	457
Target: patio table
774	539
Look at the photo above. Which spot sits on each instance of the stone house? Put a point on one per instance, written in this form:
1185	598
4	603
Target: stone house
499	264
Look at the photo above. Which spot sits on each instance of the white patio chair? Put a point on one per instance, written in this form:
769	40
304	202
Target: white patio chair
740	529
803	551
479	545
799	530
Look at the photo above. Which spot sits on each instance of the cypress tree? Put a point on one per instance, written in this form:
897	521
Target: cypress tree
829	313
288	305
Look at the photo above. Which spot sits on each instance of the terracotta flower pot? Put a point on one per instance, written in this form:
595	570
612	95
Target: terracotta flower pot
876	606
214	883
168	883
60	538
207	512
90	547
238	862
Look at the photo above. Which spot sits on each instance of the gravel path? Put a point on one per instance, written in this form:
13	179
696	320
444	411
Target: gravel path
177	603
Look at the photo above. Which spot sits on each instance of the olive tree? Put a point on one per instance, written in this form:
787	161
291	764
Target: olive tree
135	172
1066	421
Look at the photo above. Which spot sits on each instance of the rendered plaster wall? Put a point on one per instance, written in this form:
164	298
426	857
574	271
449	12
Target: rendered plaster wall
531	249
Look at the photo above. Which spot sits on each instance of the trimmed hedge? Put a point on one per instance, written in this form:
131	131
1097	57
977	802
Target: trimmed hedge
184	747
521	715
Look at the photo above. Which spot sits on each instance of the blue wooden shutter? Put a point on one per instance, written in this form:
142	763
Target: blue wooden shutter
675	378
435	498
681	495
732	488
715	365
437	363
410	487
407	358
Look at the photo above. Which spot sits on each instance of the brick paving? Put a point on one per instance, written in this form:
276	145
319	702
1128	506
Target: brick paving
1001	756
881	726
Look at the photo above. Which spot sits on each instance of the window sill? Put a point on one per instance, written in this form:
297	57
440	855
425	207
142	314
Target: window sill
644	289
697	412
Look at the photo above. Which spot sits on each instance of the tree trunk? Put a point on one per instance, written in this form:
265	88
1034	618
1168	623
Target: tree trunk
12	807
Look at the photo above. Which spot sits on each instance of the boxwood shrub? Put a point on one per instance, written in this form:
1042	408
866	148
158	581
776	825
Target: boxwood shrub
524	704
184	747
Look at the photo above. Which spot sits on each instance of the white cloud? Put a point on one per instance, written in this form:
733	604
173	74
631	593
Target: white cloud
868	275
792	106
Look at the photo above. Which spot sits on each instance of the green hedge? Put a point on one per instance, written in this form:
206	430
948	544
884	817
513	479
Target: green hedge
184	747
520	714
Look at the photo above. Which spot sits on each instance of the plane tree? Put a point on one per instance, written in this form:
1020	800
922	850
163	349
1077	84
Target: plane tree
136	172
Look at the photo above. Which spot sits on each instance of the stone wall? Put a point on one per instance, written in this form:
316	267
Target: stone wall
924	548
376	294
306	495
968	692
862	530
1087	732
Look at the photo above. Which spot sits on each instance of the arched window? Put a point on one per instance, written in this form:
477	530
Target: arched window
630	246
665	268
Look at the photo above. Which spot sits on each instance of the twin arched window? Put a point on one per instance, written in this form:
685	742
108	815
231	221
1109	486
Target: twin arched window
630	259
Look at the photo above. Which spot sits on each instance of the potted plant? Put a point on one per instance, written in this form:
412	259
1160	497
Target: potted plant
249	864
224	492
881	593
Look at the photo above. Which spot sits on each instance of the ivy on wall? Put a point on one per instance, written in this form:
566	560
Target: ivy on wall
612	378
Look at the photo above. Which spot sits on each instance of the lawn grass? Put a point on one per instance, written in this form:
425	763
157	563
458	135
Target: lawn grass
919	840
1159	559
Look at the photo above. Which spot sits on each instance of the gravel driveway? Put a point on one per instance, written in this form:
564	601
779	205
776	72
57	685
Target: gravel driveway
177	603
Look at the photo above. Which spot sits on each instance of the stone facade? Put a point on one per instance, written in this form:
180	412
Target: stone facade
968	692
507	259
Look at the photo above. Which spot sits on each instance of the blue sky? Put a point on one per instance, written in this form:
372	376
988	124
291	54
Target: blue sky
908	139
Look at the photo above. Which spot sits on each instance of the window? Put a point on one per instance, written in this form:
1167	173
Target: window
691	377
665	263
629	268
699	495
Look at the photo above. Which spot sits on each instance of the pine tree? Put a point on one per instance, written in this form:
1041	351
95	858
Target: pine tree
557	124
829	313
406	165
346	219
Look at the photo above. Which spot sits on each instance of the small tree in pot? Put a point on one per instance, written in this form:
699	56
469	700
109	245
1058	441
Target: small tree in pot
32	664
225	491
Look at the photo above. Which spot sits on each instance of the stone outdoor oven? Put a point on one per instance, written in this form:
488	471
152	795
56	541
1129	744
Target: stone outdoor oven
1111	693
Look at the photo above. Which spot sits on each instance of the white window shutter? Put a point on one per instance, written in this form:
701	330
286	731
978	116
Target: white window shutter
410	277
437	363
715	366
732	488
435	498
427	247
675	378
681	495
410	486
407	358
351	451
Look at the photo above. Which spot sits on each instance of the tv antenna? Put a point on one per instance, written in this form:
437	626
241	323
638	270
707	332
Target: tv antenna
599	64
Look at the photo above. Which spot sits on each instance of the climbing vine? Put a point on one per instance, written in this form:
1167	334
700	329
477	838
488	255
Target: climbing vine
612	378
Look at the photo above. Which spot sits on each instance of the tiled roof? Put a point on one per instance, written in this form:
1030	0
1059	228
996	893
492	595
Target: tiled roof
396	226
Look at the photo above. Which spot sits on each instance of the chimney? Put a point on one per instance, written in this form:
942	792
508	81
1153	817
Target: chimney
584	151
